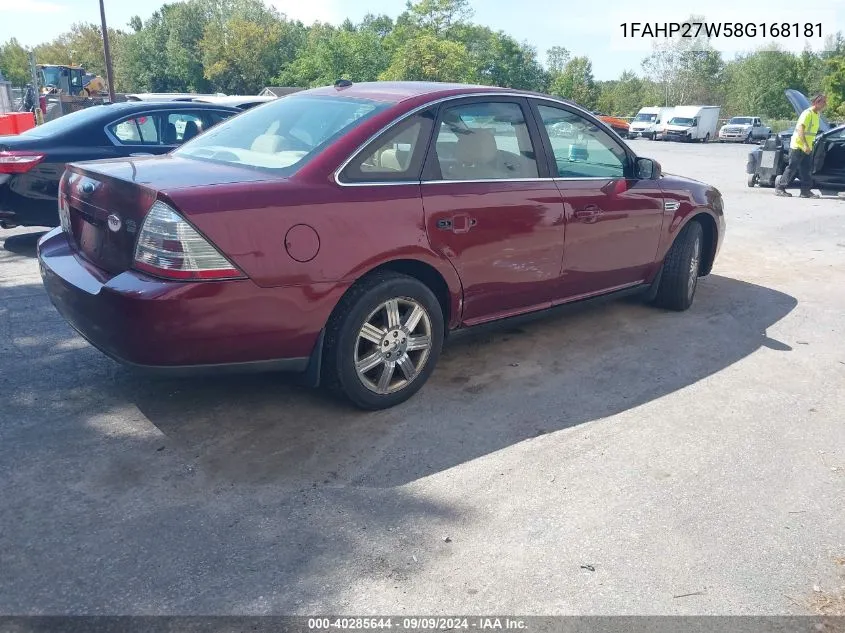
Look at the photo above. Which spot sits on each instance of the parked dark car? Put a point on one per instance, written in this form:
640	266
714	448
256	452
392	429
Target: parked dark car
344	231
241	102
32	163
828	162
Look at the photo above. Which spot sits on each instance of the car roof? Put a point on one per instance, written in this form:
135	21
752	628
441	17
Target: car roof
398	91
131	106
234	100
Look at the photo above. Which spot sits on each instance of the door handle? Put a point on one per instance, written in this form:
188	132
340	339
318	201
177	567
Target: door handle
590	212
460	223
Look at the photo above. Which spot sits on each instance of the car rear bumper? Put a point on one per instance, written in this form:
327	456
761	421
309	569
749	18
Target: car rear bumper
184	327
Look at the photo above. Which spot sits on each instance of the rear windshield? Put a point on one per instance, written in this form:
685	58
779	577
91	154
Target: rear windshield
67	122
281	135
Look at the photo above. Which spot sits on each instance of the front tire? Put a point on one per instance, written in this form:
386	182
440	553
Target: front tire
383	340
752	180
681	268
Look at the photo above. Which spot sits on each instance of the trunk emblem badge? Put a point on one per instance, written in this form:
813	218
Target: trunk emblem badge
114	222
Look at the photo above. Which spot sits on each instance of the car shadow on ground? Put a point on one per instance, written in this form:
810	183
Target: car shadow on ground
24	244
488	392
251	494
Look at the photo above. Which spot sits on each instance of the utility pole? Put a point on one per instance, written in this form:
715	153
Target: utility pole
107	52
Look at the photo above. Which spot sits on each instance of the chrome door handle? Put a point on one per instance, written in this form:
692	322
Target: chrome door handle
589	212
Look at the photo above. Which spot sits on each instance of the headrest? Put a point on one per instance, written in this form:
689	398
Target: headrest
267	143
476	146
191	130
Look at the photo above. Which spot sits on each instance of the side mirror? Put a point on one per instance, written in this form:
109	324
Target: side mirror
648	169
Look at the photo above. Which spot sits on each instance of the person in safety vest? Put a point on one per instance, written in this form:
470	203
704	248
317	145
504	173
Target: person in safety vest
801	150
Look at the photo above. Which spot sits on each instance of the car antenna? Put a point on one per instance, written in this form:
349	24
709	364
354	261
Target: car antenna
342	83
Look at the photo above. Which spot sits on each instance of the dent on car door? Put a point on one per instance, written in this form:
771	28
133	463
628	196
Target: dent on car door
491	207
613	220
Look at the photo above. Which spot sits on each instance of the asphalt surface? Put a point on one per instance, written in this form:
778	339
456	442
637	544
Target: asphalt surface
619	459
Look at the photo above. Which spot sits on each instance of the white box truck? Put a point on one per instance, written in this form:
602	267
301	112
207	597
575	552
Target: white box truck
648	122
692	123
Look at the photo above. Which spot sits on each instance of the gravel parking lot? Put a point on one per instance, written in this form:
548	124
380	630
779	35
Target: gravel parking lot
618	459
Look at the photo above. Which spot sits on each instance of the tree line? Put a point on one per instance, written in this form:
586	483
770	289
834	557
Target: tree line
241	46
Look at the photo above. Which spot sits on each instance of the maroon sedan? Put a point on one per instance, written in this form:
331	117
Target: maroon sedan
344	231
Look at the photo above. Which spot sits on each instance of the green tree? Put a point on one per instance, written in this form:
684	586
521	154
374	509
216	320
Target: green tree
688	69
429	58
833	85
625	96
438	16
498	59
242	55
556	59
330	54
14	62
755	84
576	83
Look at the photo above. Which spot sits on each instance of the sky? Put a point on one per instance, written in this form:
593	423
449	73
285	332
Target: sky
584	28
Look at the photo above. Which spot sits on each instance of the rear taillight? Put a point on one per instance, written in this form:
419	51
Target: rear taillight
169	247
18	162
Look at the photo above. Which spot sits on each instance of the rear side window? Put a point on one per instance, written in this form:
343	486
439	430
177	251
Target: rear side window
397	155
138	130
484	141
282	135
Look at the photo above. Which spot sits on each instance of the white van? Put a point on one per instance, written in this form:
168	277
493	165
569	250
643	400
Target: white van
648	122
692	123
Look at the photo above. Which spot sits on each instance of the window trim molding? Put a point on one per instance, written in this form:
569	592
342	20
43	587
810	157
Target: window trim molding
419	152
529	97
549	150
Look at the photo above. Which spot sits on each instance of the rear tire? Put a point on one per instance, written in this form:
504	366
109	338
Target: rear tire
752	180
681	269
383	340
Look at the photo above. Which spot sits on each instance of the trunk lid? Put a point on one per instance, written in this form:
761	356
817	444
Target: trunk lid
800	102
105	202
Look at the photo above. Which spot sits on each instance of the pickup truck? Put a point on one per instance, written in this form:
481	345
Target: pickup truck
745	129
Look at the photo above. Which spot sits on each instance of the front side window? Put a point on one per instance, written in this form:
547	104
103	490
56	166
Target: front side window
282	135
396	156
589	152
484	141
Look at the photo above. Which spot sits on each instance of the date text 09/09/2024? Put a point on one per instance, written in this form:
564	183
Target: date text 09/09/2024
418	623
721	29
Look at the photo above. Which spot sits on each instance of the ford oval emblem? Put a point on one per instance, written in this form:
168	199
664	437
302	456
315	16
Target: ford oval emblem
114	222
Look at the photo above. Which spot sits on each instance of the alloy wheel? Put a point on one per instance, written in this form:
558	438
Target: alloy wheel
393	345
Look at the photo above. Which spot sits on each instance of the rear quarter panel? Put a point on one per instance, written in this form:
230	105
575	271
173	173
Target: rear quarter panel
356	229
